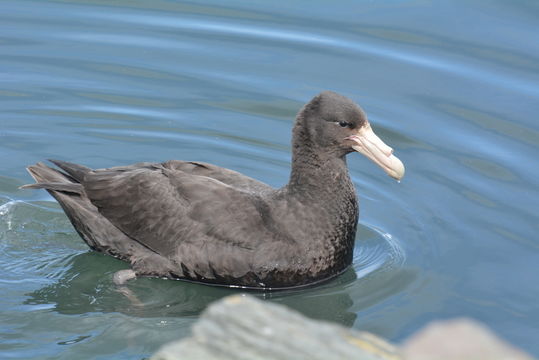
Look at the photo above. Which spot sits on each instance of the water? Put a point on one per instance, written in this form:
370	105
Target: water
452	86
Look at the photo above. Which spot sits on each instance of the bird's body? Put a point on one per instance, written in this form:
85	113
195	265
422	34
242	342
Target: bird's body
200	222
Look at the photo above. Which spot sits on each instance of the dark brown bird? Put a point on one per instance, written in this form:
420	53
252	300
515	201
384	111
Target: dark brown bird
200	222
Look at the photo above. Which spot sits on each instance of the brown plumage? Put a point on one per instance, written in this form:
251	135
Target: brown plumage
200	222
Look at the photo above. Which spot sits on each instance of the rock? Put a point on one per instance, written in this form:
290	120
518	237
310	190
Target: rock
241	327
459	339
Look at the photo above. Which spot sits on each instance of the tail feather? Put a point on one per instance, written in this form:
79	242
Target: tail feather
56	180
44	174
66	187
51	179
95	229
76	171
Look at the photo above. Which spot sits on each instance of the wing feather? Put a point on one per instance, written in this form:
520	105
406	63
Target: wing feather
202	223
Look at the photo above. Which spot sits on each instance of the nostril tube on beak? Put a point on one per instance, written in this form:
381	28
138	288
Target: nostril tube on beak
386	150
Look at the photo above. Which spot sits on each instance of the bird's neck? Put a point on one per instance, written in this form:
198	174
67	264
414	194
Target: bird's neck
326	194
318	173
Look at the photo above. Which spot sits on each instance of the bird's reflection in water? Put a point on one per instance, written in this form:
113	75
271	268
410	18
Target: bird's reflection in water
86	286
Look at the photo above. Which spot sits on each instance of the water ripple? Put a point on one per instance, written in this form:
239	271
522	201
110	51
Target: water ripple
37	243
316	39
376	251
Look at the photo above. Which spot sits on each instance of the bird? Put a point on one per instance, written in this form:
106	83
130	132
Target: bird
198	222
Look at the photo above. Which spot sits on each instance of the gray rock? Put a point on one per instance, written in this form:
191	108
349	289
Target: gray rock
243	328
459	339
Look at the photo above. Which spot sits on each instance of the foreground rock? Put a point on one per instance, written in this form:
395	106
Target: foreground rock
459	339
244	328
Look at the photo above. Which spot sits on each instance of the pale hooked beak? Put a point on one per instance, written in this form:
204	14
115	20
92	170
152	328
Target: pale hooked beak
370	145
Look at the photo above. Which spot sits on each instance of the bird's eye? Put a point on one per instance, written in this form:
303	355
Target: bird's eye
344	124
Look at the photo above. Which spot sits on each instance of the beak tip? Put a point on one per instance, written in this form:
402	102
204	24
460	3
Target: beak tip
397	169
